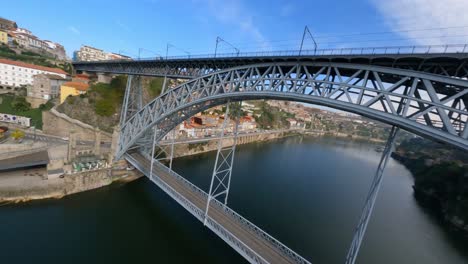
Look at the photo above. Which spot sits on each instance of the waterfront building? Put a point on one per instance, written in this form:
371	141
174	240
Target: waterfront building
72	89
45	86
17	73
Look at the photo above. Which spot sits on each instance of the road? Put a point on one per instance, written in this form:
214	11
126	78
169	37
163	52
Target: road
253	240
217	137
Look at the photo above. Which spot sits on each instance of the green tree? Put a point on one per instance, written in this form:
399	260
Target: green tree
20	104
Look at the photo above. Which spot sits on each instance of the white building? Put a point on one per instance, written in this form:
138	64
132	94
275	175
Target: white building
87	53
16	73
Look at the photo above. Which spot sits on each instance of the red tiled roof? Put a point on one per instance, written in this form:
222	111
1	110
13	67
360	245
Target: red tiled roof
32	66
82	76
77	85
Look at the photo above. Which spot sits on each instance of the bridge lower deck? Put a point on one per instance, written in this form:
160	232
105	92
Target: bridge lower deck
263	247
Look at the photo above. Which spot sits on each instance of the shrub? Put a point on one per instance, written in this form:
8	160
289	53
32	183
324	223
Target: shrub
17	134
104	108
20	104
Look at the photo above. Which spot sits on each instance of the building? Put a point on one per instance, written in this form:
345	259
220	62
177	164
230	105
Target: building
87	53
17	73
45	86
115	56
6	24
83	78
3	37
55	49
72	89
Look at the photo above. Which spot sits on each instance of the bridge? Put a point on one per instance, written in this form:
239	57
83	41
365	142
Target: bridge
421	89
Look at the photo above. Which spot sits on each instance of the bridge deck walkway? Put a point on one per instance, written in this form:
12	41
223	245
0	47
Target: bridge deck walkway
258	244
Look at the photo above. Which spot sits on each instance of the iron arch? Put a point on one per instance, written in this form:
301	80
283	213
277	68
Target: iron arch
429	105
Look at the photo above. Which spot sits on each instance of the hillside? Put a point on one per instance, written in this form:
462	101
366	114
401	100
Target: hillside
33	58
102	104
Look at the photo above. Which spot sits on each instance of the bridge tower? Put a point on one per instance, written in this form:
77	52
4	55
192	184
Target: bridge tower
133	99
222	170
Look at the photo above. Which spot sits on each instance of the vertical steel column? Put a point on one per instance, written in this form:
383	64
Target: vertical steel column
222	170
133	99
172	148
152	151
371	198
233	150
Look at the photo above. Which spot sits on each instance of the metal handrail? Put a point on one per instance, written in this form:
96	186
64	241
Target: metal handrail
280	246
414	49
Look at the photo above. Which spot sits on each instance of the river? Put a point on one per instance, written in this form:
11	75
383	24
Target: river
307	192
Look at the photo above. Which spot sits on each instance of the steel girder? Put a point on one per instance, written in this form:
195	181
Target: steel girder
447	64
430	105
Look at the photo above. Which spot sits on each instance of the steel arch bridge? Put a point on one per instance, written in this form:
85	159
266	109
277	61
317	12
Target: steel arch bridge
429	105
422	93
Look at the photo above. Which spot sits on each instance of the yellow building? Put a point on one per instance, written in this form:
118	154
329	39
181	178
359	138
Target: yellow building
72	89
3	37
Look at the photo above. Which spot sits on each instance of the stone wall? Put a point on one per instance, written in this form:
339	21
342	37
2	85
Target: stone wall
84	181
59	124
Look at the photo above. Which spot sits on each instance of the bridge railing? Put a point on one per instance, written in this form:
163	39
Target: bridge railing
221	231
259	232
415	49
250	226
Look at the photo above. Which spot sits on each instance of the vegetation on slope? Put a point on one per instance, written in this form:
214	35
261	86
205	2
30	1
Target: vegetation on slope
441	178
17	105
34	58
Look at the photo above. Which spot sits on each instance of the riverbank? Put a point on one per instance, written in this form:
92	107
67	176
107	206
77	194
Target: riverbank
440	180
26	185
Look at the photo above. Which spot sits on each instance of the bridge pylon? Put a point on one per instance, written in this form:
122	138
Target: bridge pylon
371	198
222	170
133	99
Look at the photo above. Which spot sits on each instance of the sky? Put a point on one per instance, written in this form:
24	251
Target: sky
145	27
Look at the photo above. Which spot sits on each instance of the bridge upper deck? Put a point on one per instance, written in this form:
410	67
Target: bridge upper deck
449	60
253	244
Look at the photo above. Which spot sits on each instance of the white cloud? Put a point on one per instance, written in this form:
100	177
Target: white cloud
234	13
406	15
74	30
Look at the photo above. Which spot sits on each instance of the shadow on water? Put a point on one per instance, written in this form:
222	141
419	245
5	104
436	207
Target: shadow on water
307	192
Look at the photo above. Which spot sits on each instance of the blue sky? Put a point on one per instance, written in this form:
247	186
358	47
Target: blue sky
193	25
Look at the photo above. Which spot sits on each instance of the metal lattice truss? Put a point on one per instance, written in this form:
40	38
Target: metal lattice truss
222	170
133	99
173	69
447	62
430	105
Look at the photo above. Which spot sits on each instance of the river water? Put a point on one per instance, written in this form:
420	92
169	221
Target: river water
307	192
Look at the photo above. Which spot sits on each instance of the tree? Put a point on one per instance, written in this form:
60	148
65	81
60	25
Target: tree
17	134
20	104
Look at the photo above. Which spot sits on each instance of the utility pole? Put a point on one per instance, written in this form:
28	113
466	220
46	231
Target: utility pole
307	31
218	40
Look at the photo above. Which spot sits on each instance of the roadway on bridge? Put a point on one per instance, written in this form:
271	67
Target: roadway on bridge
261	246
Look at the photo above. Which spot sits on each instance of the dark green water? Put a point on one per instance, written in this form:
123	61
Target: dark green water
306	192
